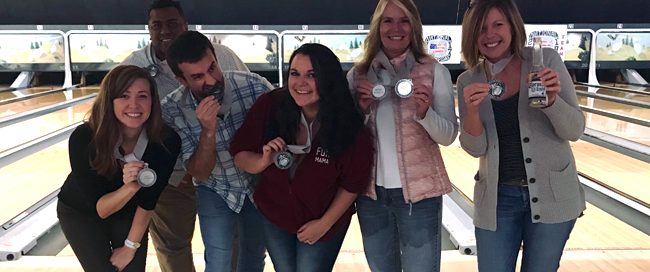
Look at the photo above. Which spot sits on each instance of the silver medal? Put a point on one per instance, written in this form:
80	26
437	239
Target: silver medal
378	92
153	70
404	88
497	88
283	160
147	176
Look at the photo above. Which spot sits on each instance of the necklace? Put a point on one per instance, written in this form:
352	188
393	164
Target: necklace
497	87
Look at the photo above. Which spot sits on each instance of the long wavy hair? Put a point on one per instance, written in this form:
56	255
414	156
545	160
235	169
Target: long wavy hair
372	43
105	126
473	26
340	120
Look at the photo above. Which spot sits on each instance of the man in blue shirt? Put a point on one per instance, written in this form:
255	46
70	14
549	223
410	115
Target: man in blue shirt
206	111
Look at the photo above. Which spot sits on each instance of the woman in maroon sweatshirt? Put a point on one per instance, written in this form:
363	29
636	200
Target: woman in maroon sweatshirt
306	196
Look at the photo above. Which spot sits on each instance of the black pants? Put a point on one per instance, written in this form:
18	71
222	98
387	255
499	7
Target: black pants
93	239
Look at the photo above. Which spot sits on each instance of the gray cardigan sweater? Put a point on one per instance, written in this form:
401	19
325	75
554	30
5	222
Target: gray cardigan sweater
555	193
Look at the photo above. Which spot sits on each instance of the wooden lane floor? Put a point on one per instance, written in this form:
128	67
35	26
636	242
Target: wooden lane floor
620	108
452	261
42	125
615	127
4	95
598	243
626	174
42	101
629	131
32	178
626	86
596	229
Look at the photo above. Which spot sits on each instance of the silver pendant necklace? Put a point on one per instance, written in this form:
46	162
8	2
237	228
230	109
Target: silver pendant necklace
497	87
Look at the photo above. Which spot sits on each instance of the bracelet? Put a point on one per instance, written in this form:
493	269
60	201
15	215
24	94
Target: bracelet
130	244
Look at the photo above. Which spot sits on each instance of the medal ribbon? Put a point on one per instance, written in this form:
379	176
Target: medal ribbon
302	149
138	150
495	68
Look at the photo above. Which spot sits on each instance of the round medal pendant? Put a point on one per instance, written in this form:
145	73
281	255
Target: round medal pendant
147	177
153	70
404	88
497	88
283	160
378	92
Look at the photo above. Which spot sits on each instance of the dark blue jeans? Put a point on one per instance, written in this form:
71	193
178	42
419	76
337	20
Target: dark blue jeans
399	236
542	243
288	254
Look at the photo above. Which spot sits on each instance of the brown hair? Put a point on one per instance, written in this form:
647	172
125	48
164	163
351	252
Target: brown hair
473	24
372	43
104	124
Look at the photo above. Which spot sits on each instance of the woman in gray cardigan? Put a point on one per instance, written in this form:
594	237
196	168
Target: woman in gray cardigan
527	189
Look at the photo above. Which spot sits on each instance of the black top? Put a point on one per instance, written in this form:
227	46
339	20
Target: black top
84	186
511	157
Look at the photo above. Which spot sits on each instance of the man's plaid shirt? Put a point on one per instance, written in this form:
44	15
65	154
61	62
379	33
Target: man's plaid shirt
242	89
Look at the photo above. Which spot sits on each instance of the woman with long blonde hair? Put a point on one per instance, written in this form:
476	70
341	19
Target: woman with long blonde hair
408	101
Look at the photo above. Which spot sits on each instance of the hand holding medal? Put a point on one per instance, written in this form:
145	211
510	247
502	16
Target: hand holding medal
146	176
403	87
284	159
135	169
139	171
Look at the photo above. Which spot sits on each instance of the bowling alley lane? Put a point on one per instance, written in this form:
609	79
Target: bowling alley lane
39	126
637	87
46	100
32	178
620	108
4	94
616	170
630	131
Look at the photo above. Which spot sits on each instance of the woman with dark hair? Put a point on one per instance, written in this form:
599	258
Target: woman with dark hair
408	99
121	159
306	196
527	189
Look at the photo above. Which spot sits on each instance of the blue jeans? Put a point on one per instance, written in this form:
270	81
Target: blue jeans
542	243
399	236
288	254
218	223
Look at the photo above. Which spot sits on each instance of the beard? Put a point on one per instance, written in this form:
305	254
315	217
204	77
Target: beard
216	90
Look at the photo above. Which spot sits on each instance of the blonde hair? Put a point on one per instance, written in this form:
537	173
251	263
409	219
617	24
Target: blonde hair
372	43
473	26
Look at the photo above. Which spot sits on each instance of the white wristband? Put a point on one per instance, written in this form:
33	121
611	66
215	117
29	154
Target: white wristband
130	244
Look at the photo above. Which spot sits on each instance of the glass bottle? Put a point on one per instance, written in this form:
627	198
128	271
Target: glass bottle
537	97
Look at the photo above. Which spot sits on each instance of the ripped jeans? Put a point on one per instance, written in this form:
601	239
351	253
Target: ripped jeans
400	236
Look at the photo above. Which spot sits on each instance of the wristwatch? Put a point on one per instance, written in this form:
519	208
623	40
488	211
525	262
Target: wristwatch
130	244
